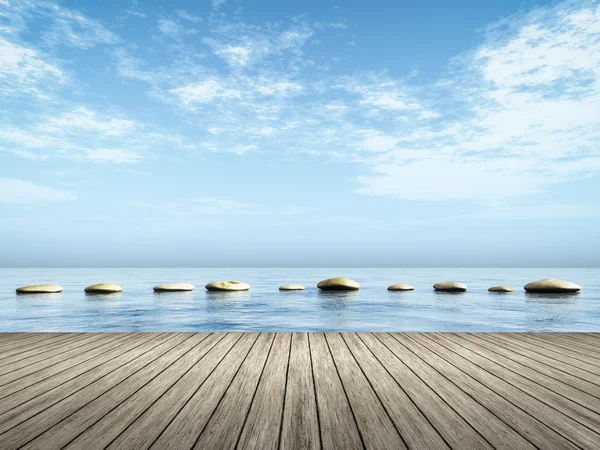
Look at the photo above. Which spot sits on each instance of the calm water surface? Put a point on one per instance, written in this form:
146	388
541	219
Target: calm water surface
265	308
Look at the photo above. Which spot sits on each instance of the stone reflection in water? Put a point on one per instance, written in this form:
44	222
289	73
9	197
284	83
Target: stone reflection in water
336	307
550	310
450	300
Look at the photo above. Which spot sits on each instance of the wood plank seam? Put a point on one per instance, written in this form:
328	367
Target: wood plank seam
536	362
128	376
196	390
522	388
287	371
60	361
112	348
429	350
565	435
407	394
337	371
375	393
312	373
124	399
559	351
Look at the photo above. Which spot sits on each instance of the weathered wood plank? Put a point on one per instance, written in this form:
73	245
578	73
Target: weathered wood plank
299	390
485	391
562	423
142	432
263	424
428	387
27	401
61	356
376	428
562	361
105	430
185	428
300	415
31	428
16	354
404	404
34	377
225	425
23	341
544	389
585	348
551	350
69	428
68	342
337	425
527	365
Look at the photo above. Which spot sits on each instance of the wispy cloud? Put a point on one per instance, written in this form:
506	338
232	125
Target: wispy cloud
25	70
83	134
20	192
530	120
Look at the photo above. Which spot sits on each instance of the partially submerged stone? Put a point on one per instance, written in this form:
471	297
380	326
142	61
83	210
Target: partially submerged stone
338	284
552	286
292	287
450	286
103	288
501	289
174	287
227	286
40	289
401	287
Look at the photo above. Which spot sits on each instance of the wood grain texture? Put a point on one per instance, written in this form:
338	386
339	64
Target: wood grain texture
185	428
300	427
417	430
299	390
337	425
565	425
376	428
263	423
490	395
144	430
439	398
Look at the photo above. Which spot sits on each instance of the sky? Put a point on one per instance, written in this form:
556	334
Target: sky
232	133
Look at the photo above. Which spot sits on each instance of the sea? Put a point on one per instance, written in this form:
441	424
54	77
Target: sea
264	308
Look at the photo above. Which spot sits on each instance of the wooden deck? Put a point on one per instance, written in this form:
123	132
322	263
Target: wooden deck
300	390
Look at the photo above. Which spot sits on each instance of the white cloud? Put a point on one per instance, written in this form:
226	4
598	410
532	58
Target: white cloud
279	87
532	116
187	16
84	134
19	192
204	92
72	28
235	55
169	27
86	119
25	70
112	155
216	4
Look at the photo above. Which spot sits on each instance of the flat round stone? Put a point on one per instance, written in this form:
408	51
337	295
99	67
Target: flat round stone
552	286
40	289
227	286
292	287
338	284
450	286
174	287
501	289
401	287
103	288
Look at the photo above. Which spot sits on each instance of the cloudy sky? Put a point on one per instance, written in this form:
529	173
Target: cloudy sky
317	133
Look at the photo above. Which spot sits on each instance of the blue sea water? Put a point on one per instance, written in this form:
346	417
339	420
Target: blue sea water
265	308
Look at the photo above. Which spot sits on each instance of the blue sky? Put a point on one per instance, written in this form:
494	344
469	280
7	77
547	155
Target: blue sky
263	133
